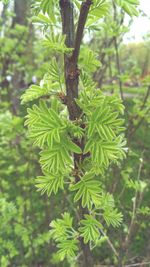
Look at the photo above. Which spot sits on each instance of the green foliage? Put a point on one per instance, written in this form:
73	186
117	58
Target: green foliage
135	185
129	6
34	92
50	183
67	249
19	203
103	152
56	43
45	125
89	190
75	130
78	154
112	217
95	139
55	159
56	74
50	130
98	130
87	81
90	229
52	83
144	211
88	60
103	127
91	99
66	237
98	9
48	8
4	1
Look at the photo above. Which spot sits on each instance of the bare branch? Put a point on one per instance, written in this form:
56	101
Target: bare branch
66	7
81	25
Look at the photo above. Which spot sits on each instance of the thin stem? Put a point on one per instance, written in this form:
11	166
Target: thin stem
119	69
110	243
136	205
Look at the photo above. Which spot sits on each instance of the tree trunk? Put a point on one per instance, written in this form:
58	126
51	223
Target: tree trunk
21	10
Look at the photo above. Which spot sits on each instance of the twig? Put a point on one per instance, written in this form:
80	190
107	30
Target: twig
138	264
117	55
134	207
110	243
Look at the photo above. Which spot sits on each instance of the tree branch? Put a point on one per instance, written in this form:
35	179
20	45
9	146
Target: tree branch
72	81
66	7
81	25
71	71
145	98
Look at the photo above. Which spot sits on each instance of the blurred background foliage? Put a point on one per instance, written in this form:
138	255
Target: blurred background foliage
25	215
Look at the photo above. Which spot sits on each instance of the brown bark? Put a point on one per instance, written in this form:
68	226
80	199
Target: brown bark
72	81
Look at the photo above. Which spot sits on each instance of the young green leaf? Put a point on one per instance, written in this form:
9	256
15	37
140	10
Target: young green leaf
89	190
50	183
90	229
